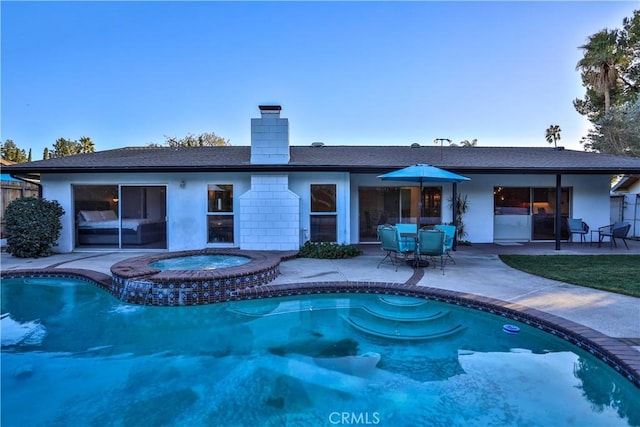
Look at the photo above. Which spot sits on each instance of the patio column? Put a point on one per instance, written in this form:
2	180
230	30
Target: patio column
558	210
454	206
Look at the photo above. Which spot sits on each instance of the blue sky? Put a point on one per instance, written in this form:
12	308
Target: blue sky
345	73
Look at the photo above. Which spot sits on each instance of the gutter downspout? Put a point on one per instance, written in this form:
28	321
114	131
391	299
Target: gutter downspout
635	216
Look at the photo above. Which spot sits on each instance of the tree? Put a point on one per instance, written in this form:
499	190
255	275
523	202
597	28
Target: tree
617	132
86	145
45	153
610	72
11	152
552	134
66	147
207	139
599	66
467	143
630	46
610	68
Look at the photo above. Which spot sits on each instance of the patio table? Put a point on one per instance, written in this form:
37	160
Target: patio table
416	255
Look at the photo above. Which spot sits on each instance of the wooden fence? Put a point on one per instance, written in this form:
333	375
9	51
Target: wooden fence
12	190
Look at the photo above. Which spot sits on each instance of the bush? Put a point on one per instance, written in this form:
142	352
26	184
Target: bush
327	250
33	226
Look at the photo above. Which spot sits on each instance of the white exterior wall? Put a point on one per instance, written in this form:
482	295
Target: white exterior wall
273	211
300	183
590	200
186	206
269	215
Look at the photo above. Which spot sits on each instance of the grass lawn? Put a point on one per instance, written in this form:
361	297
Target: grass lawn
613	273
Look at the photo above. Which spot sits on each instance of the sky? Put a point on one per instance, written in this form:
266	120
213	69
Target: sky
345	73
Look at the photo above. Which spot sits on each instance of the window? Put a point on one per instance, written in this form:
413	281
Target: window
512	200
220	217
324	218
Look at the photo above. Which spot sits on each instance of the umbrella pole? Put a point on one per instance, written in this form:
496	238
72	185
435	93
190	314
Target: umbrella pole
419	205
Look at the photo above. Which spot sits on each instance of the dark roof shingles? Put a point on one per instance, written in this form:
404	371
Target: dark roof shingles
351	158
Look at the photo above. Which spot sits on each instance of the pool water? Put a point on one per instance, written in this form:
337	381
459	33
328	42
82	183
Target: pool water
73	354
200	262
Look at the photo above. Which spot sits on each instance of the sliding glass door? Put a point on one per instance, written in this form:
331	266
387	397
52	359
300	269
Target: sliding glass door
544	213
143	212
392	205
112	216
526	213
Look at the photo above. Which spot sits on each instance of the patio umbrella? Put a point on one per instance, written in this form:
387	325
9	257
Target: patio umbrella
425	173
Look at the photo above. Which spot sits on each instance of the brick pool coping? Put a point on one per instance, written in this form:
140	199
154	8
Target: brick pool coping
617	354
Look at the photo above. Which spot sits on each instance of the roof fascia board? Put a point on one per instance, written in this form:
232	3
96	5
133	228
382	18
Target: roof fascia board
26	171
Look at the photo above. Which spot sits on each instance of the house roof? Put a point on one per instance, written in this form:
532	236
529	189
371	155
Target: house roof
625	183
363	159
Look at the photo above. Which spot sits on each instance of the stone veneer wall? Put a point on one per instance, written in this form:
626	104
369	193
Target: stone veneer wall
270	215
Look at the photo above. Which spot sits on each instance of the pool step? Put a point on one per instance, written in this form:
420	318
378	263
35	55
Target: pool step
403	333
404	318
400	317
400	301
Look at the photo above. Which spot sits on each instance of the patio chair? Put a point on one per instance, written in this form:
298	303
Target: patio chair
618	230
577	226
449	235
431	243
407	243
389	240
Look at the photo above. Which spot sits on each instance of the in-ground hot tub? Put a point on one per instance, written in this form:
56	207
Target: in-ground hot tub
182	278
200	262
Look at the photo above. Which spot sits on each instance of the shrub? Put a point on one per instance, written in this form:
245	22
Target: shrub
33	226
327	250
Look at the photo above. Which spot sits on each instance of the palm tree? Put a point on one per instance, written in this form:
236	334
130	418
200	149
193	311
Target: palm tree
552	134
600	62
467	143
86	145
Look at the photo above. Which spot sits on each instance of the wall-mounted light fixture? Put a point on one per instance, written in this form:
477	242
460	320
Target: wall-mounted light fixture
183	183
115	200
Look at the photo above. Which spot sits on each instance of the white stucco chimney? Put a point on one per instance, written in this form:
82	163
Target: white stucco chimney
270	137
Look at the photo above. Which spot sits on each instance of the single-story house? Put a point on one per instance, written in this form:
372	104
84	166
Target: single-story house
625	202
275	196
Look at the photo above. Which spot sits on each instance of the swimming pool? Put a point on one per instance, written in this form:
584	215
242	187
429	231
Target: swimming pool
72	352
